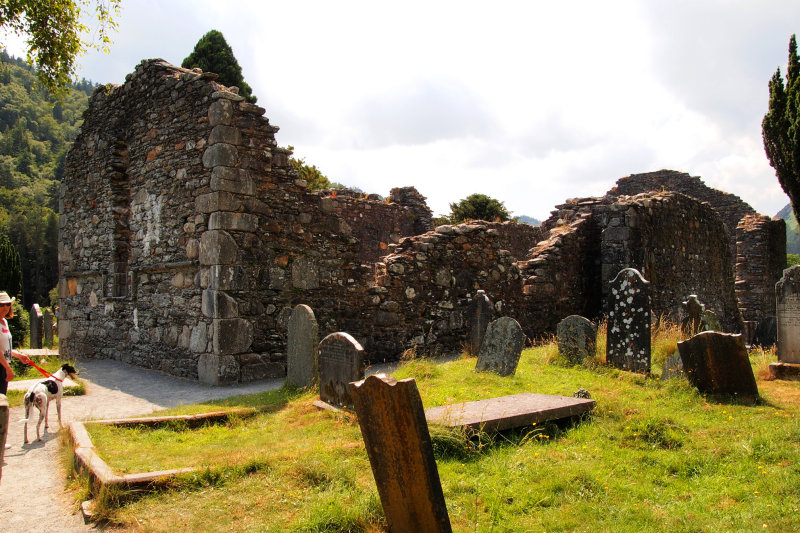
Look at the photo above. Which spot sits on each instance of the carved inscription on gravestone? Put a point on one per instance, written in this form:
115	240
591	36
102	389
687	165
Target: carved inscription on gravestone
301	347
478	313
576	337
787	293
628	339
341	360
400	453
501	348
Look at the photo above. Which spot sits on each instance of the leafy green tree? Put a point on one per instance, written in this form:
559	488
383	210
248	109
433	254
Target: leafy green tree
792	260
314	177
10	268
781	127
55	35
478	207
213	54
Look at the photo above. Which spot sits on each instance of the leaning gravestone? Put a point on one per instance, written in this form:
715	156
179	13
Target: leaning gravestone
478	315
341	361
400	453
577	337
787	295
301	347
36	327
48	328
628	337
718	363
501	347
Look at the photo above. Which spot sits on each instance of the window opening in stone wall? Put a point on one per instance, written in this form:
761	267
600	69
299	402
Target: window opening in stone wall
121	213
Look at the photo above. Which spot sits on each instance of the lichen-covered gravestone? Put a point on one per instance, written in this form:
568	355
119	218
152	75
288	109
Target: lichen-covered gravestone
36	327
501	347
628	338
478	315
400	453
787	295
301	347
577	338
341	361
718	363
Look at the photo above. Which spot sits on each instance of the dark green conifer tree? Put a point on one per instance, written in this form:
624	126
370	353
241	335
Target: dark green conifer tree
213	54
10	268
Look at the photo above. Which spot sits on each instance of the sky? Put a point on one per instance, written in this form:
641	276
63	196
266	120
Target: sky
529	102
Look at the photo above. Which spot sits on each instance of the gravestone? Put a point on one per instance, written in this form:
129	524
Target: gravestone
577	338
301	347
628	337
501	347
341	361
478	314
673	366
693	323
36	327
717	363
787	296
400	453
48	328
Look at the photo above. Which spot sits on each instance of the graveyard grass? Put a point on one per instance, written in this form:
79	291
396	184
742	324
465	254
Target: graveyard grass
654	456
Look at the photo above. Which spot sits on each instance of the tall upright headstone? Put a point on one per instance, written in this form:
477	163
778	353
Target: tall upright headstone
577	338
787	296
718	363
302	347
628	335
400	453
36	327
478	314
341	361
501	347
48	328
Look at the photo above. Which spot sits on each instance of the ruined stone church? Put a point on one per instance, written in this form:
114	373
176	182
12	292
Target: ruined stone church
186	238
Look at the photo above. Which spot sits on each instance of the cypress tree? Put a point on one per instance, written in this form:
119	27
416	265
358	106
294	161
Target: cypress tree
213	54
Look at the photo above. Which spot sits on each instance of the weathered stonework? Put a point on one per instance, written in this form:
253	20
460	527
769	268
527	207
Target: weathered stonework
186	239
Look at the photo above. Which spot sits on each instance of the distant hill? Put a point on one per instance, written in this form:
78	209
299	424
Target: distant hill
792	231
525	219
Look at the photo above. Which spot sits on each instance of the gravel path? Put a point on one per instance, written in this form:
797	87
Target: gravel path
32	495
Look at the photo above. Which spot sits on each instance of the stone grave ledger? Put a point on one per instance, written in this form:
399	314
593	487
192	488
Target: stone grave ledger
341	361
577	338
478	312
302	347
628	338
787	294
718	363
400	453
501	348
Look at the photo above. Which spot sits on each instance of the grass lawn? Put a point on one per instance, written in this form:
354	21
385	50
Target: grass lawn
654	456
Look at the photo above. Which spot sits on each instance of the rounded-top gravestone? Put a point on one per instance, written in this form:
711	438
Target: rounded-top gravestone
301	347
628	339
341	361
501	348
577	338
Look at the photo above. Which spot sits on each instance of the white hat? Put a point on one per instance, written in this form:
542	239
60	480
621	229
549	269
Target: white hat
5	298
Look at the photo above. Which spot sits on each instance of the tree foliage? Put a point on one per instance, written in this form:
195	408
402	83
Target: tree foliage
213	54
314	177
56	35
10	268
781	127
478	207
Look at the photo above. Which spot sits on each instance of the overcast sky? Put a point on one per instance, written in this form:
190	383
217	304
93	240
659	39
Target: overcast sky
530	102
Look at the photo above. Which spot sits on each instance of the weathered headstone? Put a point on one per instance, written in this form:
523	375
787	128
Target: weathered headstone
478	314
717	363
48	328
693	323
501	347
628	336
341	361
577	338
400	453
673	366
36	327
301	347
787	296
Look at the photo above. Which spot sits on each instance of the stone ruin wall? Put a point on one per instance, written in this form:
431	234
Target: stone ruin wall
187	238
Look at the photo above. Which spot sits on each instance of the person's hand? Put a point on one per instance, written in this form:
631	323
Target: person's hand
24	358
9	374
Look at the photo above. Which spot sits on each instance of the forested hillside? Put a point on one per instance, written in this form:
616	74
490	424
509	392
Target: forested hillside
35	132
792	232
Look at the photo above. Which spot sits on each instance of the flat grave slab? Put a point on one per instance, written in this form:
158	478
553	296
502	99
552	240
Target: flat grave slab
507	412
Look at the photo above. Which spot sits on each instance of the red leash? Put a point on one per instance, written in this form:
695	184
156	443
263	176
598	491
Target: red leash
44	372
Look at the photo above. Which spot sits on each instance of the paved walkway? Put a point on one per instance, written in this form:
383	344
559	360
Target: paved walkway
32	495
